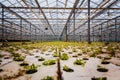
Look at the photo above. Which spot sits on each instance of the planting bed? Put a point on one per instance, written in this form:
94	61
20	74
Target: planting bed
78	61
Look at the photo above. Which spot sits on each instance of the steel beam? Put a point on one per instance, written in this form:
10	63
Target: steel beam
2	23
100	12
89	22
55	19
71	13
39	7
63	8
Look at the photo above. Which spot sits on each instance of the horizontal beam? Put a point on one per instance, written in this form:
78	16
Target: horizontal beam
55	19
62	8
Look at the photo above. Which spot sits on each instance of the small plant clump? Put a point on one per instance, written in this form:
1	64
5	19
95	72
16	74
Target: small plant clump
1	55
64	56
41	59
67	69
18	59
37	56
79	62
74	50
107	58
31	69
11	50
16	55
104	61
49	62
102	69
1	70
85	58
99	78
48	78
24	64
55	54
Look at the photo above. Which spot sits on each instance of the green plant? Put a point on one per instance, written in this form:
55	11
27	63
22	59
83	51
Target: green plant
37	56
16	55
41	59
18	59
74	50
1	78
31	69
75	55
102	69
67	69
64	56
99	78
11	50
48	78
49	62
24	64
111	50
79	62
107	58
95	53
104	61
1	55
55	54
85	58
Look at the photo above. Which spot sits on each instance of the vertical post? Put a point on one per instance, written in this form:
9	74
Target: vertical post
21	34
30	32
66	33
108	36
2	24
14	34
44	36
80	36
101	33
59	73
35	35
74	26
115	30
41	36
93	34
89	22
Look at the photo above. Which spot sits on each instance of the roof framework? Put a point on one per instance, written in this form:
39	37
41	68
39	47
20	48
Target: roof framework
58	14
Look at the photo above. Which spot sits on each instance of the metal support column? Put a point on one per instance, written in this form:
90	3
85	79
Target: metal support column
80	36
101	33
107	30
66	34
21	34
2	24
89	22
35	35
14	34
115	30
30	33
74	26
93	34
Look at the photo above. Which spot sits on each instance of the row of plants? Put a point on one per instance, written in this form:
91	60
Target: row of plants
49	62
99	78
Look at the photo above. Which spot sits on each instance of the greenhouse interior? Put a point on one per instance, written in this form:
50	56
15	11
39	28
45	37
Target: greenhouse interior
59	39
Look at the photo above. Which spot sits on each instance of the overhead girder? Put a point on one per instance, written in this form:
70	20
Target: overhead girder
24	1
71	13
98	13
44	16
18	15
54	19
62	8
103	23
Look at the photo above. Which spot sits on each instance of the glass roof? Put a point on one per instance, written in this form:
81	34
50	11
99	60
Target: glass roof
56	14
